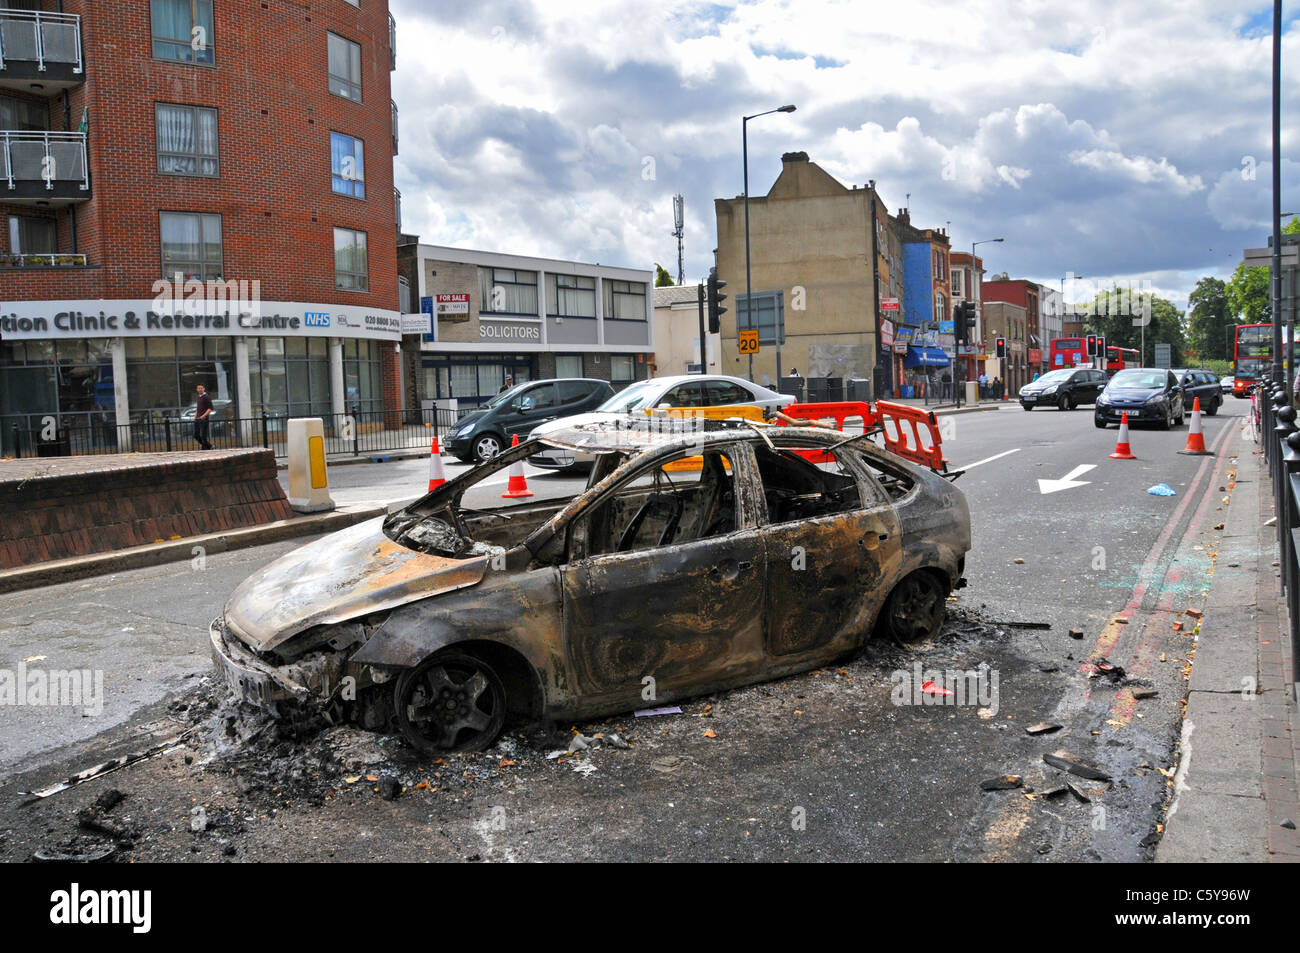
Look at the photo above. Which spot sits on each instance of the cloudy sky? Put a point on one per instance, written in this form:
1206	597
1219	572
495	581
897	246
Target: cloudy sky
1117	140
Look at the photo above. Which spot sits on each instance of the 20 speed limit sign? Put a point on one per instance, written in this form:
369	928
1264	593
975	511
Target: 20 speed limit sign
749	341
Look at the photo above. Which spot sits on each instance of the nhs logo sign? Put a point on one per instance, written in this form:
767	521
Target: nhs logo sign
317	319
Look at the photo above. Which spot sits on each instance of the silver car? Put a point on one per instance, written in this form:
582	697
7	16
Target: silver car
685	390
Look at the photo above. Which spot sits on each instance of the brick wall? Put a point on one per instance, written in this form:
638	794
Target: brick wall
75	506
275	115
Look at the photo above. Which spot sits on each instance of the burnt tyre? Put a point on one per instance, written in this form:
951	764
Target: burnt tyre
450	702
1065	402
486	447
914	610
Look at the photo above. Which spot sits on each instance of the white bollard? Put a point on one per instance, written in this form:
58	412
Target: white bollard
308	480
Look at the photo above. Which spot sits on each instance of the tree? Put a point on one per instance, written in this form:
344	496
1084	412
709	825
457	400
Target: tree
1119	314
1250	295
662	278
1209	318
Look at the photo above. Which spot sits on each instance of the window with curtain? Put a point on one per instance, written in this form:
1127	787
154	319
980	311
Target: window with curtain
621	368
348	165
191	245
186	140
625	300
351	266
507	291
29	235
344	67
183	31
23	115
568	365
570	296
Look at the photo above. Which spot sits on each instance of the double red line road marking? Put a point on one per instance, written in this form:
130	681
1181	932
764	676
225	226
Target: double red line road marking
1157	625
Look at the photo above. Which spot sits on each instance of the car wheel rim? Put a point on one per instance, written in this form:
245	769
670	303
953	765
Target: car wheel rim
914	610
456	705
487	448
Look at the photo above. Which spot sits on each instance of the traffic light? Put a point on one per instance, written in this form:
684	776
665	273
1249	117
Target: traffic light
715	298
1092	345
963	318
1000	348
1101	347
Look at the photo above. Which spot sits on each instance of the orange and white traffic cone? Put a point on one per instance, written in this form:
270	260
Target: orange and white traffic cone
437	475
1195	438
518	486
1122	451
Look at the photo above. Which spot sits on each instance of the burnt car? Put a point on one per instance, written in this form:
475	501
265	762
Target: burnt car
701	555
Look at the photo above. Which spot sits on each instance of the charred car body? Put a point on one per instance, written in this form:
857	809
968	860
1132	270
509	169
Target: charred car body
703	556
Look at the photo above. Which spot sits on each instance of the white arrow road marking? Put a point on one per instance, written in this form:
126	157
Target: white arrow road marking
1067	481
999	456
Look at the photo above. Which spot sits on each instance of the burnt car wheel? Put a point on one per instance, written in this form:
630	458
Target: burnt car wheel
914	611
450	702
486	447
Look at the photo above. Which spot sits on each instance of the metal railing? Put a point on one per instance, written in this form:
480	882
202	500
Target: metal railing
392	42
54	260
39	156
1280	440
96	432
34	36
394	105
397	208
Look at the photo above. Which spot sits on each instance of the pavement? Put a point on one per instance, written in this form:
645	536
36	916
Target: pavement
1235	791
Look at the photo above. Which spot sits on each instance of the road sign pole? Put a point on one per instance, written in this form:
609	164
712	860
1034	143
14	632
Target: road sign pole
704	346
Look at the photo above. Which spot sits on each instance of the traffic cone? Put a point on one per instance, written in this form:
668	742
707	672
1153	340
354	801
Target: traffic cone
1195	438
518	486
437	475
1122	451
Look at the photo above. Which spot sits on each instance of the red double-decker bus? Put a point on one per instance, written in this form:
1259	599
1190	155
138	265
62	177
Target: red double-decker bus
1068	352
1118	358
1251	355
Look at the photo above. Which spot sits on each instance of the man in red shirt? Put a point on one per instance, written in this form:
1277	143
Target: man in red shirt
202	411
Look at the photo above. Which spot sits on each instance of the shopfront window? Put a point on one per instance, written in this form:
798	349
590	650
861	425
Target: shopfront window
362	382
289	377
568	365
163	373
473	380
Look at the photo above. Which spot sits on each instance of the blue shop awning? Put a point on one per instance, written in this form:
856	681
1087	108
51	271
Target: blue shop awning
925	357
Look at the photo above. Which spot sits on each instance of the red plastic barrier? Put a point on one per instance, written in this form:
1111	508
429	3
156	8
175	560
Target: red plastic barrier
901	425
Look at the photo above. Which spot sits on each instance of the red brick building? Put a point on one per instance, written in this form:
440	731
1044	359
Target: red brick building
233	154
1019	291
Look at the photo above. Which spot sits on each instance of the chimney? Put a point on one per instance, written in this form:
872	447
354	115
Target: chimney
794	157
904	217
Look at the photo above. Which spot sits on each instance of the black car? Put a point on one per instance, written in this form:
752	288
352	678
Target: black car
1202	384
1064	388
1146	394
482	434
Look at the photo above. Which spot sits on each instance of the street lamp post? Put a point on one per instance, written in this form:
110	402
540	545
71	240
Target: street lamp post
749	313
979	315
1069	276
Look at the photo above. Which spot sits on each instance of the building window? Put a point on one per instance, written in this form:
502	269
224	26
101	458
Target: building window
625	300
621	368
348	165
507	291
289	377
940	306
23	115
344	67
570	296
162	374
186	140
191	245
351	266
568	365
362	382
182	31
769	315
957	278
32	236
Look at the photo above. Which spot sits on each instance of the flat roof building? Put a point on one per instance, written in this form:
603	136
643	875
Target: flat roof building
493	315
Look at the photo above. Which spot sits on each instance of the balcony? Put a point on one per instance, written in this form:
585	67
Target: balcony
394	105
40	52
392	42
397	209
47	168
53	260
